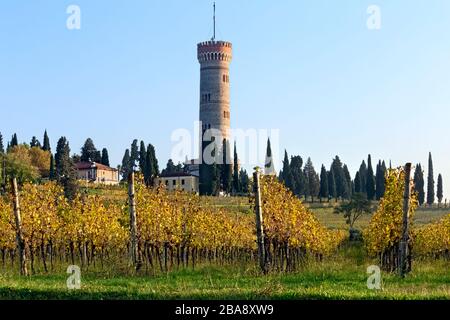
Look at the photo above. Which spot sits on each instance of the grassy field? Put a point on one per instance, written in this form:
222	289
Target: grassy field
342	276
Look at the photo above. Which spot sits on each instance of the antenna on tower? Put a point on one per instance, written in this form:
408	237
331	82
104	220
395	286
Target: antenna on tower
214	22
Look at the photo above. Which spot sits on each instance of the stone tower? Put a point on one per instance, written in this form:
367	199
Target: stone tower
215	57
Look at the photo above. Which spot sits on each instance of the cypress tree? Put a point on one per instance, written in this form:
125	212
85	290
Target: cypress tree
287	174
440	190
331	186
52	168
105	157
323	183
154	160
370	180
419	184
312	180
142	157
378	181
236	182
126	167
244	181
358	183
348	181
430	180
342	187
134	154
2	147
64	168
14	141
46	143
227	167
299	181
363	177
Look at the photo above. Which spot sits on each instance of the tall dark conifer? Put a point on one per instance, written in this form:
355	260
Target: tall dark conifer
430	182
226	167
419	184
440	189
332	185
236	182
323	183
287	174
2	147
46	142
357	183
142	157
105	157
370	180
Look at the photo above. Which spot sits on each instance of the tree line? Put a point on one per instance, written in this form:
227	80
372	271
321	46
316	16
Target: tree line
336	182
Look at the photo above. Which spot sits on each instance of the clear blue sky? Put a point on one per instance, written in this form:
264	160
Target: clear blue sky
310	68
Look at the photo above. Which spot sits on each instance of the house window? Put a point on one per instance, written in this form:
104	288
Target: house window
167	182
182	182
174	182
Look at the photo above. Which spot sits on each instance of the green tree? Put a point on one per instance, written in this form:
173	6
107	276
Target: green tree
299	181
134	154
142	157
380	180
440	190
357	183
226	167
430	180
46	144
2	147
35	142
52	173
287	174
154	160
236	182
65	170
323	183
353	210
419	184
342	187
125	168
312	180
105	157
19	164
370	180
14	142
244	181
348	181
363	176
89	151
331	186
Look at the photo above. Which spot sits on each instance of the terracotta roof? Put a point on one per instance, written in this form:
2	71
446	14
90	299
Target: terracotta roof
92	165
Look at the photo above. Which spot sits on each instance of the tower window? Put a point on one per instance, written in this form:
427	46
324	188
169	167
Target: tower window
209	97
226	114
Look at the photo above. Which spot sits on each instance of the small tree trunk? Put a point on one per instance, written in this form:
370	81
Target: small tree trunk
19	234
259	221
403	248
133	224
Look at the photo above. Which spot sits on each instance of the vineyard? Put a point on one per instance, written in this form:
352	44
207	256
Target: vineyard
179	231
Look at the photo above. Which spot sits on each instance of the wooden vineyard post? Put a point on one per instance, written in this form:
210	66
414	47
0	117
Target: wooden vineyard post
133	222
403	249
259	220
19	234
